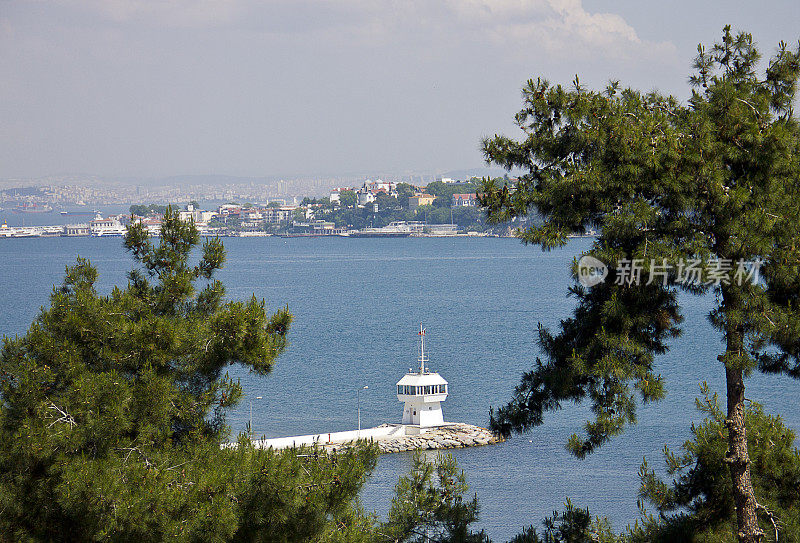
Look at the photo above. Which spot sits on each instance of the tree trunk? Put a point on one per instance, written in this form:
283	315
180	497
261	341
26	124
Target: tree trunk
737	458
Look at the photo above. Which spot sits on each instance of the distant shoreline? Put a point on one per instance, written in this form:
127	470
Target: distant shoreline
251	235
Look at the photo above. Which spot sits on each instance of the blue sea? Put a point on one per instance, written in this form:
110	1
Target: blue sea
358	304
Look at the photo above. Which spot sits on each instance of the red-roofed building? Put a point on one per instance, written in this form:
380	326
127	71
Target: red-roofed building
464	200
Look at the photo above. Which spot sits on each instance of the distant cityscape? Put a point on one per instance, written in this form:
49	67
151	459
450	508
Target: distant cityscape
71	190
369	208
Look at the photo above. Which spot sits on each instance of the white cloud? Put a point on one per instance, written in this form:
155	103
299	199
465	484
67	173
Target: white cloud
561	28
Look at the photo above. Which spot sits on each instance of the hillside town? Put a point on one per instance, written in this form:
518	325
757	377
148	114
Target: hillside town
374	208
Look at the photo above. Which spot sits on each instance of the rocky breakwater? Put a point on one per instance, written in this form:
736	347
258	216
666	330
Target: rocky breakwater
450	436
389	438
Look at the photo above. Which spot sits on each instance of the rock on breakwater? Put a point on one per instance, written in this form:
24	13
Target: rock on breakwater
449	436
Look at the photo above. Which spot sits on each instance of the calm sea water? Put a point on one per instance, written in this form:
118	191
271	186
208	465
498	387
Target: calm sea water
358	304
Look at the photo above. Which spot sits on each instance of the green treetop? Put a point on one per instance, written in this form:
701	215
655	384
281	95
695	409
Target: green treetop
717	178
348	198
144	210
404	190
429	505
113	412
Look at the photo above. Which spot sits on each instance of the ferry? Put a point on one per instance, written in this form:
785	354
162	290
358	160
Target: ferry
65	213
100	227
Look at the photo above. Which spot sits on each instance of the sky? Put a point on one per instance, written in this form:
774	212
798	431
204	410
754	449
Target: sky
320	87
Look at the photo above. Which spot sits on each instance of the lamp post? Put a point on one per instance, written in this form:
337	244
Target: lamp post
250	424
358	403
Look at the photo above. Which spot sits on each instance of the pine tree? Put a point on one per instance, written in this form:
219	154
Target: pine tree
429	505
696	505
113	414
715	181
572	525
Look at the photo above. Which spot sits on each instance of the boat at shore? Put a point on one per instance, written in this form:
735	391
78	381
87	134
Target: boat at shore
65	213
32	208
372	234
107	227
396	229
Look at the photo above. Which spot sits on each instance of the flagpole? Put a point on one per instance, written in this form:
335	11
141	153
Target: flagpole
422	350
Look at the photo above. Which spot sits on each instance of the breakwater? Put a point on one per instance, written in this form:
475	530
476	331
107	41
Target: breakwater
392	438
450	436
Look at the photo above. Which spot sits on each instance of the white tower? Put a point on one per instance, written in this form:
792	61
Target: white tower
422	393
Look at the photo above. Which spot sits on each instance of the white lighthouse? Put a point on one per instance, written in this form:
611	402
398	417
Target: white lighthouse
422	393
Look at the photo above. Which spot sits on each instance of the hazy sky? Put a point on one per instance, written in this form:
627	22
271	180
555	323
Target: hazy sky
245	87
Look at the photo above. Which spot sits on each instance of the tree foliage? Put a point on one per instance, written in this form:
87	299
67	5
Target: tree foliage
715	179
572	525
429	505
444	191
404	191
113	412
697	505
148	210
348	198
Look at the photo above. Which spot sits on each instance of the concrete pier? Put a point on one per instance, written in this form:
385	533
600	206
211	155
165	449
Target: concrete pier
392	438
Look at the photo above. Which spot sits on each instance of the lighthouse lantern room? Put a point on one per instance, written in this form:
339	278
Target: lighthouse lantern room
422	393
